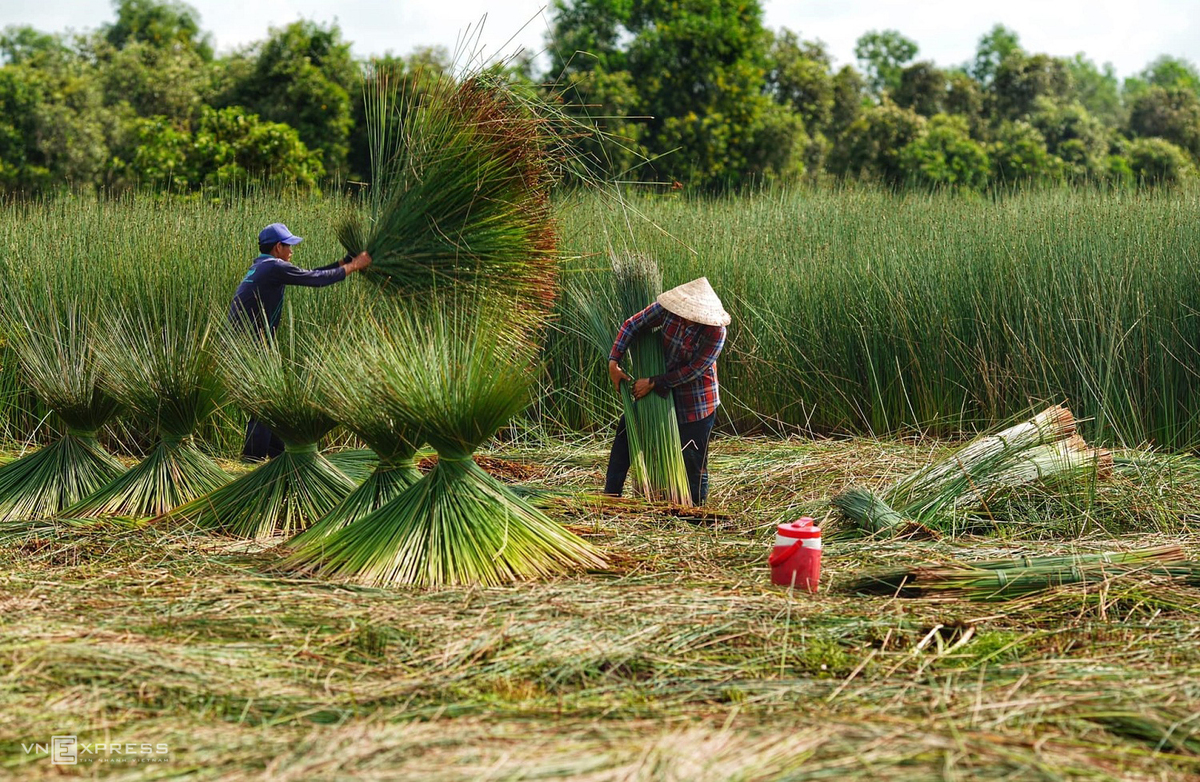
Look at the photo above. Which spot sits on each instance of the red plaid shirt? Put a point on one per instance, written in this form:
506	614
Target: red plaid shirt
691	351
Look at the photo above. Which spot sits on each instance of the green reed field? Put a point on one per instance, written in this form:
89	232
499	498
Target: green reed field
855	312
863	312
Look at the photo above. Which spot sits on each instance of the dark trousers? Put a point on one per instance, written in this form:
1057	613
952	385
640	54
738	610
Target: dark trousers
693	435
261	442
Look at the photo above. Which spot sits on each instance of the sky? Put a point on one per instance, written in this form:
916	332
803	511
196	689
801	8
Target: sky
1128	34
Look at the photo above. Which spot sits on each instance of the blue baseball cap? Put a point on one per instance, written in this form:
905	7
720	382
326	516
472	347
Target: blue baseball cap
277	232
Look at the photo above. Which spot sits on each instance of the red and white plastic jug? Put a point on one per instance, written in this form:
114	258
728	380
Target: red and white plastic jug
796	560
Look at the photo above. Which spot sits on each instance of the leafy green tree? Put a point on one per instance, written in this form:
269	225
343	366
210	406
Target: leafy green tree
1166	72
1021	79
24	44
1074	136
871	146
799	76
430	60
1019	155
1156	161
996	46
158	156
22	165
302	76
699	68
153	81
1118	172
57	126
1169	113
945	155
849	100
883	56
686	56
588	34
1097	89
71	137
922	88
608	142
229	147
162	25
964	98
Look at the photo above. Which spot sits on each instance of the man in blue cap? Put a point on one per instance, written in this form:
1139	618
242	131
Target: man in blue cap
258	304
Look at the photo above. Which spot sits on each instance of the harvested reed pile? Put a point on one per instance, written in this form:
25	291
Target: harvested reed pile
51	339
1044	446
1008	579
456	373
277	381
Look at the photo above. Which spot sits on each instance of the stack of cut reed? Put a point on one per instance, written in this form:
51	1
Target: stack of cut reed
50	335
1005	579
276	380
458	224
455	372
1034	450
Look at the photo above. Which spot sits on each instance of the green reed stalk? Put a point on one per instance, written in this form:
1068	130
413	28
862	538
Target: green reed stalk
1005	580
350	398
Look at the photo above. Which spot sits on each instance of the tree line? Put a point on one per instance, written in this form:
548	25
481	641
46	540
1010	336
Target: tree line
687	93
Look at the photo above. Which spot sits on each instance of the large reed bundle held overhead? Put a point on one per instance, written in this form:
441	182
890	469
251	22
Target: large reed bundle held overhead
158	361
52	342
461	188
597	309
275	380
458	374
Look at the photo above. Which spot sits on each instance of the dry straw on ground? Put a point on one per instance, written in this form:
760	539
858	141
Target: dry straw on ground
681	662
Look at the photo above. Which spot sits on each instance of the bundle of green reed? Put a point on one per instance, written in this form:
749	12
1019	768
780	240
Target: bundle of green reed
278	382
51	339
457	372
460	187
158	362
351	399
597	308
1032	450
1007	579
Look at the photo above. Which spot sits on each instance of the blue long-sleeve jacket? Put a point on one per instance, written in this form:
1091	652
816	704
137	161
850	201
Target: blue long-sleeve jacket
260	294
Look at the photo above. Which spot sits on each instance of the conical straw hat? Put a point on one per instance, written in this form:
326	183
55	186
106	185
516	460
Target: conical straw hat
696	301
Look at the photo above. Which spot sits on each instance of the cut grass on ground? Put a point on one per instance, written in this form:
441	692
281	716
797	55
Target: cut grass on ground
682	663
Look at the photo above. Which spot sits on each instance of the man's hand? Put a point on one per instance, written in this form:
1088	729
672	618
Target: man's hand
642	387
617	374
360	262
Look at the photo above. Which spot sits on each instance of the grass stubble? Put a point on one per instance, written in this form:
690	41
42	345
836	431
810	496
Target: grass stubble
680	662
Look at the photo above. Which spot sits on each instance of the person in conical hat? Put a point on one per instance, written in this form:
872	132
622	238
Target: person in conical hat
692	323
